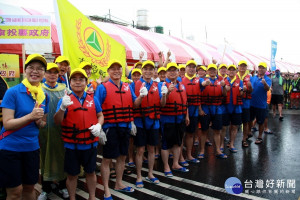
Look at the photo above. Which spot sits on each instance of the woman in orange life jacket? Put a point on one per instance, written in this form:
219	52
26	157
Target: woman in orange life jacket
232	114
192	86
222	71
81	119
174	118
243	74
146	120
212	96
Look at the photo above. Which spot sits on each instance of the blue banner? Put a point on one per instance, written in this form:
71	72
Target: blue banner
273	54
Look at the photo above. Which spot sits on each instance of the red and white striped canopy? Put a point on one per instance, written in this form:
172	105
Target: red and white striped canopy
136	41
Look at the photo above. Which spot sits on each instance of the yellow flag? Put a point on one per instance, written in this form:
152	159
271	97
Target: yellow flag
81	40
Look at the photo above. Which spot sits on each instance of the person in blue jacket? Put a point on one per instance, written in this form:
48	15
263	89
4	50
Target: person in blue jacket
24	112
261	84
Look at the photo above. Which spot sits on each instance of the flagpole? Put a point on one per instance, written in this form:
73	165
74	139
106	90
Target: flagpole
59	33
58	27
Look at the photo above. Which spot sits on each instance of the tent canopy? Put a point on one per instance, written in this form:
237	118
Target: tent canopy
136	41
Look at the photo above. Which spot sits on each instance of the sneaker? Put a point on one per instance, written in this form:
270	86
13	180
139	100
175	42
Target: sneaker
43	196
64	193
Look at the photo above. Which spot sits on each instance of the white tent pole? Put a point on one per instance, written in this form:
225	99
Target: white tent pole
23	58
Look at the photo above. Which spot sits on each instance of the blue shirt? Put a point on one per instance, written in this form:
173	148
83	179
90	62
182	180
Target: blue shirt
171	118
81	100
101	93
129	75
24	139
259	94
149	123
230	108
211	109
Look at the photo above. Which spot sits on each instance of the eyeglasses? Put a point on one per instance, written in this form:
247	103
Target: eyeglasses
38	69
78	79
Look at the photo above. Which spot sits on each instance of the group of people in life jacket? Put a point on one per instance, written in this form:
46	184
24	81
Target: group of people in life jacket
151	111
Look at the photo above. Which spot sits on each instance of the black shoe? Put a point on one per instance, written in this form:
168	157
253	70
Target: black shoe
280	118
254	129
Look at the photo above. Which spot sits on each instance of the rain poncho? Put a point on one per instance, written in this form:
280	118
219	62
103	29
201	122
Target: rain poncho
51	145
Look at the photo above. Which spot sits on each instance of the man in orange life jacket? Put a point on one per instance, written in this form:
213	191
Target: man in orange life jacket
244	75
232	114
181	70
80	116
222	75
222	71
117	100
146	119
212	96
192	86
174	118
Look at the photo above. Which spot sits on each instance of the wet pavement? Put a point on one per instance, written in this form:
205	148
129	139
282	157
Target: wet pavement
270	170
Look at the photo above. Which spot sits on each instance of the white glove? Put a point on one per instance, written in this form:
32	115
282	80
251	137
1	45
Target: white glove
133	129
143	91
95	129
164	90
66	101
102	137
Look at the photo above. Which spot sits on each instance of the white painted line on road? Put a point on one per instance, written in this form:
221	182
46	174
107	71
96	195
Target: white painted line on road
181	190
205	185
202	184
113	192
83	194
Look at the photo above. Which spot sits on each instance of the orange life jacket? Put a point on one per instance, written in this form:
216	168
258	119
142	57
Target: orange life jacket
150	106
176	102
246	95
212	94
118	104
77	121
234	89
192	91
